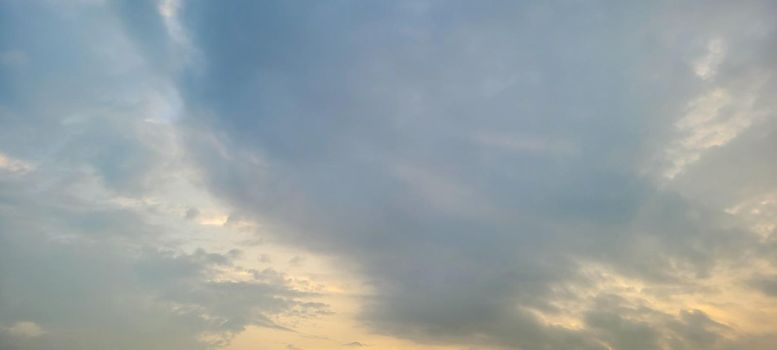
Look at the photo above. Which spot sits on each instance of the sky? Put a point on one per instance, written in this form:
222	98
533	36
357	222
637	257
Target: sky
423	175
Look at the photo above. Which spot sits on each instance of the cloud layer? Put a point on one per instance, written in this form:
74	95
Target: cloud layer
498	175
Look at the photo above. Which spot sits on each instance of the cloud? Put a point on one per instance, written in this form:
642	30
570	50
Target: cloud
706	66
512	175
25	329
14	166
766	284
97	251
474	210
119	283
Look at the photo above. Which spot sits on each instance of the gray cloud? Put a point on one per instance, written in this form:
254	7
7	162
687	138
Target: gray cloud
766	284
91	289
84	128
380	132
474	162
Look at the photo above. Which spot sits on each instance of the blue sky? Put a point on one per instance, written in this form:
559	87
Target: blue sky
388	174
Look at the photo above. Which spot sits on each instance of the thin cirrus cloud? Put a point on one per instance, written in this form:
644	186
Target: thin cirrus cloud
430	175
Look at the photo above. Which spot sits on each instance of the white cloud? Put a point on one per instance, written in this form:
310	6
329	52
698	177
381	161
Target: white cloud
14	166
712	119
706	66
25	329
169	11
759	212
524	144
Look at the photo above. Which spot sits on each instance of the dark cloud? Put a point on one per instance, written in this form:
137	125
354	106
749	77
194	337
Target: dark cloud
80	260
471	159
766	284
484	167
